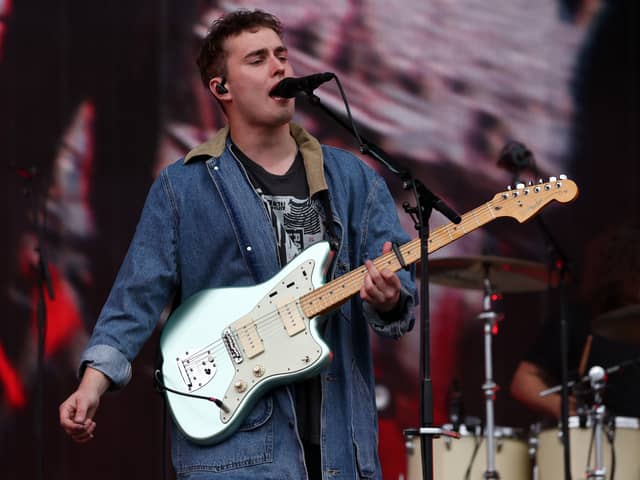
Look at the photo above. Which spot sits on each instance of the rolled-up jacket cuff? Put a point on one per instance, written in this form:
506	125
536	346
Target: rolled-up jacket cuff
400	325
109	361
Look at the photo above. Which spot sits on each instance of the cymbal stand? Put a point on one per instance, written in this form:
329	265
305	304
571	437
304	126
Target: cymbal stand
598	378
489	387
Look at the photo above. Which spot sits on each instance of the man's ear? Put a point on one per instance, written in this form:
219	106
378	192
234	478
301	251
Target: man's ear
216	85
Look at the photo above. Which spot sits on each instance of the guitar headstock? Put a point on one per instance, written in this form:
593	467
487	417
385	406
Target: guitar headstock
524	201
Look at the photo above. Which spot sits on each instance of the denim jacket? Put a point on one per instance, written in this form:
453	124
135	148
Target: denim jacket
204	226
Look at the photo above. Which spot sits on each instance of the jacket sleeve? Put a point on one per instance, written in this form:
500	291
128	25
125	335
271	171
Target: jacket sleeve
143	288
381	225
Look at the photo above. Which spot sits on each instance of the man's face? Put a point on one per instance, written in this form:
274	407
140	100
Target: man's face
256	62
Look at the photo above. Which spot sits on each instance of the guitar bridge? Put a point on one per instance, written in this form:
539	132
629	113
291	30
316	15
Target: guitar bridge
197	369
231	346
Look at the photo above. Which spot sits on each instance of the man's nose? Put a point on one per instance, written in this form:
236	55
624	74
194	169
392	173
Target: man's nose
277	67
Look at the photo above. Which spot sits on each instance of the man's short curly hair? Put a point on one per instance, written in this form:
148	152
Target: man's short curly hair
212	57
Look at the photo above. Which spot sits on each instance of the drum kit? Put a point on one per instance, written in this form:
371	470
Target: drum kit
602	447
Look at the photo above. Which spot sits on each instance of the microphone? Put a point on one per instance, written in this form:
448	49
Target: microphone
515	156
597	377
289	87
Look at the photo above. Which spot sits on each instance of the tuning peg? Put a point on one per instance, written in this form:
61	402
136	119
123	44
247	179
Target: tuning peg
529	183
508	187
563	176
552	179
520	186
540	180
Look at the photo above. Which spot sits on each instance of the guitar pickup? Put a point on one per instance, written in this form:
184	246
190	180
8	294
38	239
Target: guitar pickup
249	338
291	317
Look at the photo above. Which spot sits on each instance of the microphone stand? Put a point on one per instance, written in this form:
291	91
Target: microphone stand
586	378
45	287
558	264
426	202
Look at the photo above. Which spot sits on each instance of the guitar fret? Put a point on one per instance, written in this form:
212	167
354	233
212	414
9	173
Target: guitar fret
476	219
488	204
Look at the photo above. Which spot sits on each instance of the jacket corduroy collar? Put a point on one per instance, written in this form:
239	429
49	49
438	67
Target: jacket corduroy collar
308	146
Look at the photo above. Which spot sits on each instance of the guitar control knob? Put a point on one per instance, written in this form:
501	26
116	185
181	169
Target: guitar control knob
258	371
240	386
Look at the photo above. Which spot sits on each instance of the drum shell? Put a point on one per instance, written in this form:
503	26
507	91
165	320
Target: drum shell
550	454
451	457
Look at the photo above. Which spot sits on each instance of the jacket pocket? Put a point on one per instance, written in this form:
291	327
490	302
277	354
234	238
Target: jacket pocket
364	425
251	445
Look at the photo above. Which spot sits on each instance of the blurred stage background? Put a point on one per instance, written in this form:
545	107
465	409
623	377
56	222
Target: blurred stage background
98	96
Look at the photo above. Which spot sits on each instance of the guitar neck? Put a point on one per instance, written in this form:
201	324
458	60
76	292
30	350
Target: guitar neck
342	288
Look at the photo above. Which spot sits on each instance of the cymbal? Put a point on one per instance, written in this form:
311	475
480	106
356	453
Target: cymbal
507	275
621	324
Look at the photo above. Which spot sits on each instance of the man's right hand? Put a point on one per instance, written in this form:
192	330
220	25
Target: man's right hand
77	411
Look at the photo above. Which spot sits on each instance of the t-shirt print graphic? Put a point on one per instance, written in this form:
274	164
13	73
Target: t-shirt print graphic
297	223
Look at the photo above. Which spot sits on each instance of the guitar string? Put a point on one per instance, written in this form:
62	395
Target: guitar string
267	322
271	320
443	231
354	278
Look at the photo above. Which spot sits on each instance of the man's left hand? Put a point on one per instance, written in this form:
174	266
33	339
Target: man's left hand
381	288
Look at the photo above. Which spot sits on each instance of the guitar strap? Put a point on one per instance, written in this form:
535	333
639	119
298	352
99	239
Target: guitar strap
329	227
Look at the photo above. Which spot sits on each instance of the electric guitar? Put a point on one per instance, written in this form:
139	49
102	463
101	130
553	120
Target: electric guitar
224	348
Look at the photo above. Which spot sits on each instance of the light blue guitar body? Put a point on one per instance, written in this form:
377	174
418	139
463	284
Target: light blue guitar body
234	344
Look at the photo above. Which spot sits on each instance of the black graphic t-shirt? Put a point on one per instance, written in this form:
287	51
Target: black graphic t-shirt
297	222
295	218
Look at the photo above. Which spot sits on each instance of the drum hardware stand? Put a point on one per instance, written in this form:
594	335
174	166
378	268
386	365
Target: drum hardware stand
598	378
516	157
532	450
489	387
